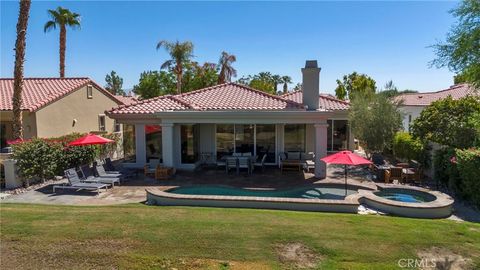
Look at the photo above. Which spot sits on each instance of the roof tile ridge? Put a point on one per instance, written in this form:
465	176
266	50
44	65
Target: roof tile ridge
291	93
202	89
178	99
48	78
334	99
269	95
142	101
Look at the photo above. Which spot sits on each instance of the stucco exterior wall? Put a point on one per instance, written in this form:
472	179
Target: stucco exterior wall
407	111
29	124
57	118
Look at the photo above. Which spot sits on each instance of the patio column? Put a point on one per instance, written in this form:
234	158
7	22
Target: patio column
140	150
167	144
320	150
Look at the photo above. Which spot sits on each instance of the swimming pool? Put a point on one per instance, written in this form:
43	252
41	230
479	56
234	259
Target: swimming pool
405	195
310	192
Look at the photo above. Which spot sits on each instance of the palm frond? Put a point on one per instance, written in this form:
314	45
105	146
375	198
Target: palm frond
49	26
167	64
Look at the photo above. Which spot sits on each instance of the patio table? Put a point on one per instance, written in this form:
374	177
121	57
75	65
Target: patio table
250	158
292	163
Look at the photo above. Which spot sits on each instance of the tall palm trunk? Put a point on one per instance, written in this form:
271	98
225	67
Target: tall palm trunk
20	45
285	88
179	71
63	47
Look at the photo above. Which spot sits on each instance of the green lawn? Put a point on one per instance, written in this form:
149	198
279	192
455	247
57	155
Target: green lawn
137	237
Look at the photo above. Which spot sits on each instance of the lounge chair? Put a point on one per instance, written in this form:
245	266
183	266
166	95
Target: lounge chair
309	160
89	177
110	169
100	172
74	182
220	163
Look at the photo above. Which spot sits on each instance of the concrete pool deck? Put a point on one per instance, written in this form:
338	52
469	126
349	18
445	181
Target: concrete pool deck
134	190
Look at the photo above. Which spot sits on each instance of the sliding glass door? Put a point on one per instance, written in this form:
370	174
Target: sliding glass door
265	142
246	138
189	135
338	134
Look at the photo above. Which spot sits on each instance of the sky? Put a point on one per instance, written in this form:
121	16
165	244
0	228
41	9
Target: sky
385	40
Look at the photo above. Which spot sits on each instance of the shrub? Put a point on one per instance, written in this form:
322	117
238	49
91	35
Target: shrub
37	158
107	150
446	171
406	147
73	156
468	164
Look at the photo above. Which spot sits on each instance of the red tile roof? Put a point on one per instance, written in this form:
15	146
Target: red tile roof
229	96
325	101
38	92
424	99
127	100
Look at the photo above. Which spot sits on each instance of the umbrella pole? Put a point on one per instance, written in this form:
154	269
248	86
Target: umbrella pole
346	172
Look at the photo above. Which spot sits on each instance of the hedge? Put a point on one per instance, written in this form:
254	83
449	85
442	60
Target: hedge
45	158
407	148
468	164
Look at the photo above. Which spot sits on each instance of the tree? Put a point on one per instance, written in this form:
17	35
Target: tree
226	69
20	45
262	85
355	84
374	121
62	18
199	76
449	122
180	53
286	80
114	84
154	84
276	80
461	50
297	87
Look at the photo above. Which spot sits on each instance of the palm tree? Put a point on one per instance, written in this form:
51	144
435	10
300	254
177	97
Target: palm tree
20	45
180	52
286	80
226	69
276	79
62	18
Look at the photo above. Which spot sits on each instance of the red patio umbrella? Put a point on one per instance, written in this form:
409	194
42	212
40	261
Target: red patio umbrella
90	139
346	158
11	142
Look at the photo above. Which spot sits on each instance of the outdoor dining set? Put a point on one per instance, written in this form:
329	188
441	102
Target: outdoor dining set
405	172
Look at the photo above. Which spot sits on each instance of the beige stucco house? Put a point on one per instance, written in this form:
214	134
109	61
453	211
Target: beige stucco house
186	130
54	107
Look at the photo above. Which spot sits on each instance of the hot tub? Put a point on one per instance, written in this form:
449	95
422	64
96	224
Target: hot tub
408	201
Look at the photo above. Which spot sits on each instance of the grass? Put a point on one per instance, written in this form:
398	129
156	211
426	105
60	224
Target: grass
137	236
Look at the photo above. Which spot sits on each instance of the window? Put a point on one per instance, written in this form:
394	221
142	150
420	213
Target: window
244	138
189	140
89	91
153	142
265	142
101	122
338	134
116	126
225	140
294	138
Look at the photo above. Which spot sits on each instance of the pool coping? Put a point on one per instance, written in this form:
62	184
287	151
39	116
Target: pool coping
352	199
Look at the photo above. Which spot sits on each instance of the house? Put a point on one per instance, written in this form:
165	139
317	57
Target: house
414	103
187	129
54	107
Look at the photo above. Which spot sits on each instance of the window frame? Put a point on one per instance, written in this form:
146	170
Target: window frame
89	91
100	128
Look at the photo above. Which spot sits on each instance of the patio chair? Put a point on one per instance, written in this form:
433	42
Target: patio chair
231	162
247	154
261	163
74	182
220	163
110	169
236	154
396	173
89	177
151	166
245	163
309	159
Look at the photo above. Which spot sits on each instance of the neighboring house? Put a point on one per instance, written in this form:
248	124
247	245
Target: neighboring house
54	107
204	125
414	103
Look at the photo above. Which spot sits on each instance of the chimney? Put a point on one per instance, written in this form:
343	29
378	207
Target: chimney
311	84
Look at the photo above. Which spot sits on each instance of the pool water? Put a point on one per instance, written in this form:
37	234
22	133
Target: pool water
409	196
327	192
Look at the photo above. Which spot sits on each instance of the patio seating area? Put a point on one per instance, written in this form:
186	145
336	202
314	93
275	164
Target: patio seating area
403	172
